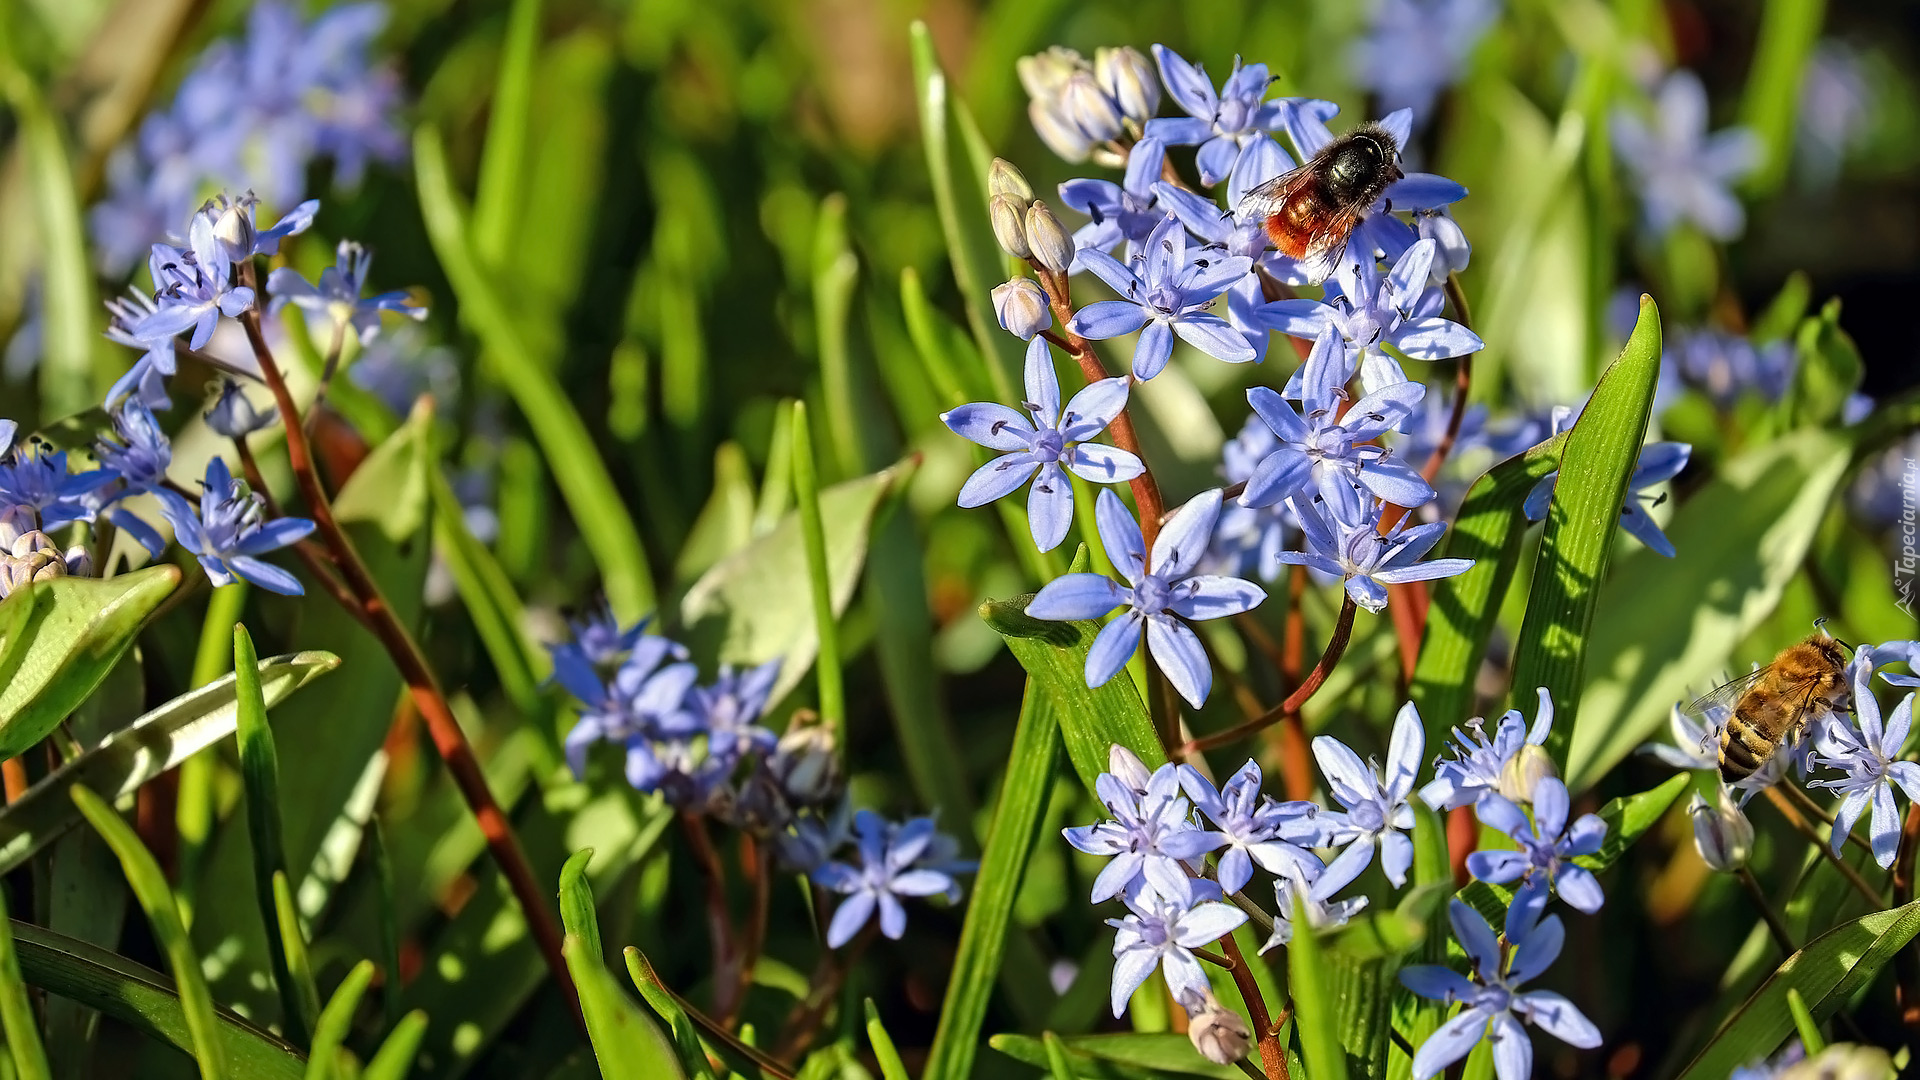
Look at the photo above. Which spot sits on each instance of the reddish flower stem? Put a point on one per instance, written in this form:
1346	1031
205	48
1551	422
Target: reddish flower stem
727	985
1342	631
1273	1056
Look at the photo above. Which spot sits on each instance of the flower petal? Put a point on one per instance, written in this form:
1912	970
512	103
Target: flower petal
1449	1043
1213	596
1153	349
1512	1050
1214	336
1076	596
1093	408
1104	319
1103	464
1178	652
997	478
1112	647
1042	384
1559	1017
1184	538
990	424
1050	506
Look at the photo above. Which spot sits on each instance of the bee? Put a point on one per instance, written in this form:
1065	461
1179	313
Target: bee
1310	212
1775	703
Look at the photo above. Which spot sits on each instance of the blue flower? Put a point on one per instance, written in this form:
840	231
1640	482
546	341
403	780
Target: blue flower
1400	308
1413	49
1311	886
599	645
229	533
1495	1005
1694	745
34	477
642	698
1548	846
234	416
1165	293
1659	462
726	711
1118	213
1869	754
1263	160
192	288
1479	763
337	298
887	871
1046	447
1682	173
1255	828
1223	125
1892	652
1377	812
1168	916
1368	559
140	458
1247	540
1162	594
1150	824
1331	454
1725	366
238	238
1379	234
147	377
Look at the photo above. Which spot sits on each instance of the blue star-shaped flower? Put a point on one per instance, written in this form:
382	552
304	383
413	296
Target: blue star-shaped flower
1659	462
140	456
337	297
1377	812
1150	823
1869	754
1222	124
1165	293
1168	916
1479	762
1548	846
230	532
889	868
1682	173
1368	559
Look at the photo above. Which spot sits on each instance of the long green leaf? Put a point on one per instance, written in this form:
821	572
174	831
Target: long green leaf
394	1059
983	937
16	1010
813	538
1316	1011
1582	524
891	1067
330	1030
156	898
1490	530
260	774
628	1045
303	997
686	1040
498	197
591	496
145	1001
489	597
1826	972
156	742
1129	1056
1771	106
1669	630
1093	721
76	632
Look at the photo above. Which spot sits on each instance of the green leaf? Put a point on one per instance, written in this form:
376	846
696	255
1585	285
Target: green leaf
1316	1012
813	537
983	937
330	1031
1490	530
625	1042
756	604
491	602
1771	106
595	502
891	1067
158	741
1130	1056
1810	1038
1055	656
1582	524
1670	628
1826	972
686	1041
498	200
260	774
76	631
1828	371
1057	1064
302	997
1630	816
394	1059
390	488
144	1000
16	1009
150	888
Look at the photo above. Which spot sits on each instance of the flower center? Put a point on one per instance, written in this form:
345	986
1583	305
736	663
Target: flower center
1151	593
1368	816
1048	445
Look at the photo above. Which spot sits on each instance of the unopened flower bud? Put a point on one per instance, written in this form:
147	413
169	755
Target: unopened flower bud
32	557
1218	1032
1052	247
1843	1061
233	415
1021	307
1005	178
807	766
1127	767
1008	214
1089	108
1451	251
1061	135
1046	77
79	562
1523	771
1722	834
1129	79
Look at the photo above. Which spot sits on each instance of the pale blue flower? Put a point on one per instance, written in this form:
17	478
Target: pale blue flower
1150	824
1168	916
1659	462
1044	445
644	697
1118	213
1725	366
192	288
1548	846
1255	828
1495	1005
1247	540
1311	887
1869	754
887	870
1366	558
34	477
1159	598
1262	160
1221	124
236	417
337	297
139	456
1479	761
1377	812
230	531
147	378
1166	292
1413	49
1681	173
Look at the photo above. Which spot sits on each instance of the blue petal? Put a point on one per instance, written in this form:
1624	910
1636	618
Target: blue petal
1185	536
1153	350
1558	1017
1470	929
1186	83
1103	464
1512	1050
1449	1043
266	575
1050	506
1214	336
1104	319
848	918
1424	191
1120	535
1112	647
996	478
1216	159
1076	596
1215	597
1181	658
1580	889
1436	982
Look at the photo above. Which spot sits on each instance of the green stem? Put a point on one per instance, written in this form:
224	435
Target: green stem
806	492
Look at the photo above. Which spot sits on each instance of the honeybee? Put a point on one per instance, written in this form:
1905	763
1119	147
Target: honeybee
1775	702
1310	212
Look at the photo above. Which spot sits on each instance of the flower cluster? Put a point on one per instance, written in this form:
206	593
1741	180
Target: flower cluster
253	113
703	749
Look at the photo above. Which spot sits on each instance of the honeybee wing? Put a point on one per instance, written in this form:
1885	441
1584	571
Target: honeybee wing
1728	694
1316	243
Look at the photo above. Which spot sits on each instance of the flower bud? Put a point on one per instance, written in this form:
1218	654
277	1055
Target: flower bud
1722	834
79	561
1021	307
1843	1061
806	765
1061	135
1218	1032
1052	247
1089	108
1127	767
32	557
234	234
1450	248
1129	79
1046	77
1008	214
233	415
1005	178
1523	771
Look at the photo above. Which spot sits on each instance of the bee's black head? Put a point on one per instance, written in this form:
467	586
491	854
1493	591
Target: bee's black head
1361	164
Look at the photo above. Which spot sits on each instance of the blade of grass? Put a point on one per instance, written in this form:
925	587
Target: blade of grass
194	813
1582	524
330	1031
891	1067
498	196
156	899
260	774
1803	1022
836	271
591	496
682	1017
305	1004
1003	865
16	1010
626	1043
1771	105
1316	1014
395	1057
806	494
